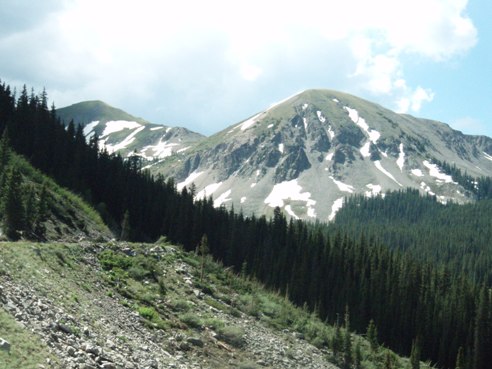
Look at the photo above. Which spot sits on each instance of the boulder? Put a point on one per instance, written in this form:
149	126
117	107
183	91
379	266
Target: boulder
4	345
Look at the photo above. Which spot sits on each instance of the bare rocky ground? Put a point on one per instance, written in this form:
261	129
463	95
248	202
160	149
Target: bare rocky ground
86	323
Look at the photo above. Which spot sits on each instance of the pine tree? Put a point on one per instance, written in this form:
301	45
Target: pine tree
42	213
4	151
460	359
347	342
481	349
337	342
31	211
125	227
372	335
203	250
358	356
415	354
388	360
14	211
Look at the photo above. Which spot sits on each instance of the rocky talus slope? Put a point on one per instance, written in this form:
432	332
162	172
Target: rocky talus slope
88	311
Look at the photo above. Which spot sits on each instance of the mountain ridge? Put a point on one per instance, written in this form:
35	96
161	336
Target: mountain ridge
125	134
310	150
318	131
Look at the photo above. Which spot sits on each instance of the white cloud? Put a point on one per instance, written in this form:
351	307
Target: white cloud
412	100
216	53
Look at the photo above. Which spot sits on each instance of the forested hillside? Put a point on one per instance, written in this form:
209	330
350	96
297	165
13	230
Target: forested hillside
452	235
416	306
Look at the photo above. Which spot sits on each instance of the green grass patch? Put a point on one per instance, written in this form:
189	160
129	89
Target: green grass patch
27	350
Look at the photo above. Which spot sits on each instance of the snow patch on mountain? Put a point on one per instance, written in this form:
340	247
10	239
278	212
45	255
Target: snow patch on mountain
331	133
329	157
156	128
289	211
304	120
335	100
401	158
189	180
487	156
374	190
426	188
281	148
114	126
183	149
123	144
365	150
250	122
321	118
378	165
305	106
361	122
88	129
435	172
342	186
208	190
417	172
337	205
243	199
161	150
224	197
289	190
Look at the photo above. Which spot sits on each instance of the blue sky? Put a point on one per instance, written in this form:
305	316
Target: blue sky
207	65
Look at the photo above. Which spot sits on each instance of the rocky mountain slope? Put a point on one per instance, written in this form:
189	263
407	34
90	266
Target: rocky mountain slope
304	154
111	305
122	133
308	152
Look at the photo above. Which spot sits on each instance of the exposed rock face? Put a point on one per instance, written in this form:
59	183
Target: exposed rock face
332	145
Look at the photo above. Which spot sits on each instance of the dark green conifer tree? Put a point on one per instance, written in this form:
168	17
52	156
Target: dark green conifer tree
372	335
415	354
347	342
14	211
125	227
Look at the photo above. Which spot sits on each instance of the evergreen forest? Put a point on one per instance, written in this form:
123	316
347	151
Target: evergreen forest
416	271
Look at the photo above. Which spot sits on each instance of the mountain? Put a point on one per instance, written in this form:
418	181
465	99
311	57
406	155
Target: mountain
308	152
122	133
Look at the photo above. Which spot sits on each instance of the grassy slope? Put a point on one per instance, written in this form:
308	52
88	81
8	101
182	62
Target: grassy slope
69	215
165	288
27	351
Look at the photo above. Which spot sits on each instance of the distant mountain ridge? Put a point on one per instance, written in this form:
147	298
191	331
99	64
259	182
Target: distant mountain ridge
308	152
88	111
122	133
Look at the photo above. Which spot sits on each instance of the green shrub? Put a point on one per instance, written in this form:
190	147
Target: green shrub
148	313
233	335
191	320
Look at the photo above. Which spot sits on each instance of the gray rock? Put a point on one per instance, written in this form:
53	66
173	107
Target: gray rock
195	341
71	351
4	345
108	365
93	350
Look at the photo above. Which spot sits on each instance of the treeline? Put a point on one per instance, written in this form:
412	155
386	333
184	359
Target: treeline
457	236
326	270
481	187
